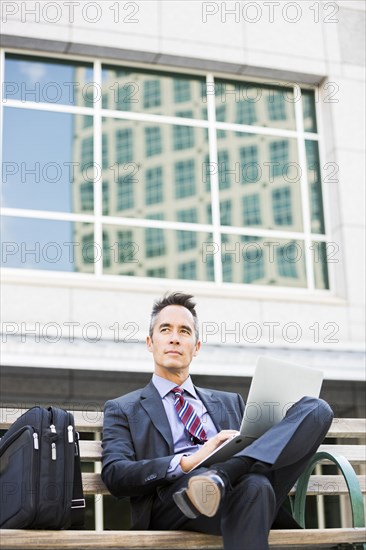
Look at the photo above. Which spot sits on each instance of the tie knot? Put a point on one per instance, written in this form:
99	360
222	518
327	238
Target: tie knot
177	391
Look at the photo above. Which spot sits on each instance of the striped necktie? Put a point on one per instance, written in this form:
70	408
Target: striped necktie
189	417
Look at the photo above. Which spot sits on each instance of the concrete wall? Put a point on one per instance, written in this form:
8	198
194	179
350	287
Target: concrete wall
304	42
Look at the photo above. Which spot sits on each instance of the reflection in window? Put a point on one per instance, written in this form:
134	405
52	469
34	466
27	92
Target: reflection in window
159	272
105	163
287	257
245	112
125	192
182	90
309	113
154	185
124	146
256	171
105	197
278	152
282	206
125	242
315	190
106	250
225	212
185	185
153	145
251	210
253	264
152	96
188	216
86	196
183	137
186	240
276	106
321	275
220	117
187	270
88	247
249	164
87	153
223	169
154	242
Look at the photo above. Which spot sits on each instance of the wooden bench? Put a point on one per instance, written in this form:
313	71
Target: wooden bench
89	423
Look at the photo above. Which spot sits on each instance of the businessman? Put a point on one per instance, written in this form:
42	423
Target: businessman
153	437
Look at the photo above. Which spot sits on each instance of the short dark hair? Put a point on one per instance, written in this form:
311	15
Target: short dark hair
174	299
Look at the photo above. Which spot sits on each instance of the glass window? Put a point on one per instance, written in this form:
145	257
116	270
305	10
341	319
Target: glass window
185	185
43	80
125	193
276	106
153	143
264	261
154	185
182	90
282	206
225	212
253	103
124	146
132	153
105	163
130	89
224	169
43	166
249	164
251	210
152	94
315	187
30	243
183	137
187	270
320	253
286	260
309	113
246	112
279	157
159	170
105	197
87	196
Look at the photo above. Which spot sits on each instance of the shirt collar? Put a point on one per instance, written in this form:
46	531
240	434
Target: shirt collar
165	386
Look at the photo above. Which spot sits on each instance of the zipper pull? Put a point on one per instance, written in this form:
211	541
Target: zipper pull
53	451
70	434
35	441
53	428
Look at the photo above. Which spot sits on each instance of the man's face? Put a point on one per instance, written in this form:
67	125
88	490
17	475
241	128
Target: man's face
173	343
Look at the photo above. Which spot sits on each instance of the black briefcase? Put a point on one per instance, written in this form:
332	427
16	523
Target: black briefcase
40	478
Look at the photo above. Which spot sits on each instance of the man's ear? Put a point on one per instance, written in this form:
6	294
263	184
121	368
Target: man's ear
149	343
198	346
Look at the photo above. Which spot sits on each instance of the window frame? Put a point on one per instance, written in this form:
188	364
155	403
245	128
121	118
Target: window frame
213	127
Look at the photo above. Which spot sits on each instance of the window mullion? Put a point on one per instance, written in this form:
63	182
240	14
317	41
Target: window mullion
214	176
98	168
305	205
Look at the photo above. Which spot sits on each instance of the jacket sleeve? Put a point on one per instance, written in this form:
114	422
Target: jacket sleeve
125	471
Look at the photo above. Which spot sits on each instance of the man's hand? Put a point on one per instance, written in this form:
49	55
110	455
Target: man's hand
189	462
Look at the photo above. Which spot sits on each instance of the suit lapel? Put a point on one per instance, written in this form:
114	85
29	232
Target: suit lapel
152	403
214	408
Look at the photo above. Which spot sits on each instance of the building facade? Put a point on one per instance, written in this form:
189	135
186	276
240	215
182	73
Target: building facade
211	147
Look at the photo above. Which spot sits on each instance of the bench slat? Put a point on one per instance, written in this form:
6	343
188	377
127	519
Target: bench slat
91	420
318	485
180	540
91	451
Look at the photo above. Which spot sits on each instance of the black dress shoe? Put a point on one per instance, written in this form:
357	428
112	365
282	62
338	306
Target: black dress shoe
202	496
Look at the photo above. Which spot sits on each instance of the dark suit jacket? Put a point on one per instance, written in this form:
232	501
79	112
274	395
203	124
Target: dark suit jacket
138	444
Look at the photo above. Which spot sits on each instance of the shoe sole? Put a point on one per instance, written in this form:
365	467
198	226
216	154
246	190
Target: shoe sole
204	494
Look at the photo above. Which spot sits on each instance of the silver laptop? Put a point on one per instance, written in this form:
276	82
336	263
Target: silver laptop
275	387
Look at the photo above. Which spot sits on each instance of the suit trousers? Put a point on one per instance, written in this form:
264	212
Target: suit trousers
252	501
